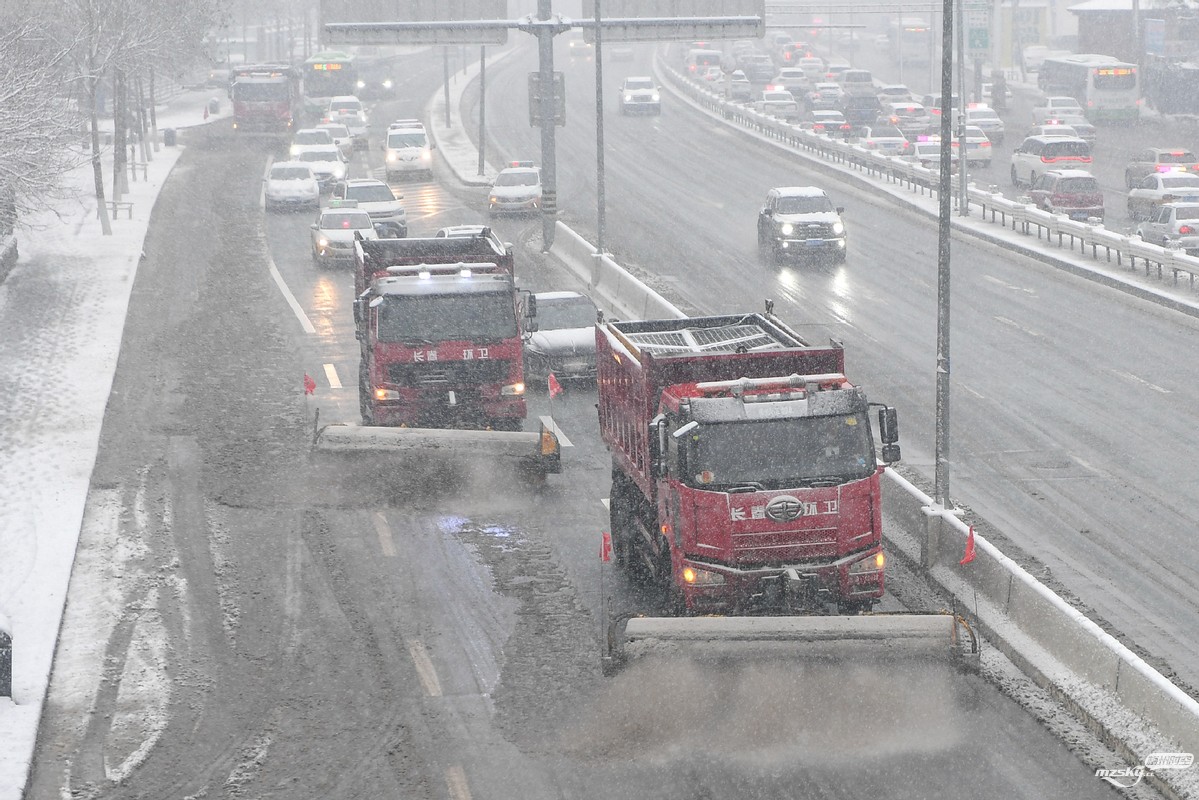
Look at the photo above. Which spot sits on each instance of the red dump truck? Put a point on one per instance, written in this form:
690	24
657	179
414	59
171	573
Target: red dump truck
744	474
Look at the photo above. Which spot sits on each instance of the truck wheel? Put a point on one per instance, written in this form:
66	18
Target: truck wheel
364	406
620	522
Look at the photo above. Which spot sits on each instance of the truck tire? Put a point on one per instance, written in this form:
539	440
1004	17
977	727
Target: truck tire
621	524
364	405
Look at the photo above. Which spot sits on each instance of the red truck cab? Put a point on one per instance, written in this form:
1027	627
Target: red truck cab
744	470
442	346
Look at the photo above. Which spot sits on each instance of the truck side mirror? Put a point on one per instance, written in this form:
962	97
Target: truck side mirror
529	318
888	432
657	446
358	314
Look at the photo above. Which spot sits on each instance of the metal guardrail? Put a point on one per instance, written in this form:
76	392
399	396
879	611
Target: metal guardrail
1087	238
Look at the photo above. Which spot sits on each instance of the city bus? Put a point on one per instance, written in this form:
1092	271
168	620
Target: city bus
910	40
327	74
1108	89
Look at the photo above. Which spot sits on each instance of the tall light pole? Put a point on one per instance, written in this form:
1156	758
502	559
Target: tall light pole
944	196
599	134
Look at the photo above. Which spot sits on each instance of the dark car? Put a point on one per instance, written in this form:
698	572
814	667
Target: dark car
1073	192
861	109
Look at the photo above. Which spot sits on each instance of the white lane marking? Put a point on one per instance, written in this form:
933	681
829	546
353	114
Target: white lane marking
287	295
305	323
331	376
607	502
384	532
979	395
262	190
1007	285
1142	381
424	668
553	426
1018	326
455	781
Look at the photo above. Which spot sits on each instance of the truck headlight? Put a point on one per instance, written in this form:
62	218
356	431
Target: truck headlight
361	84
655	97
870	564
339	171
628	98
493	199
295	150
838	228
383	395
392	155
702	577
387	84
322	242
512	390
786	229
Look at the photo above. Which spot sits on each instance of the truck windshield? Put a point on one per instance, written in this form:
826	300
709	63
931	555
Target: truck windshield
259	92
778	454
440	318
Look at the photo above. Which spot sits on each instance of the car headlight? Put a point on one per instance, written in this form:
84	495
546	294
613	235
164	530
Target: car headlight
786	229
654	97
361	84
392	155
322	242
493	199
339	171
628	98
425	155
387	84
295	150
838	228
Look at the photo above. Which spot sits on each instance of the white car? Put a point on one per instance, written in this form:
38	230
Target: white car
335	231
1153	191
308	138
516	190
1054	108
1174	225
326	163
564	343
341	137
985	117
640	96
1082	128
778	103
377	199
291	184
407	150
895	93
885	139
978	146
349	111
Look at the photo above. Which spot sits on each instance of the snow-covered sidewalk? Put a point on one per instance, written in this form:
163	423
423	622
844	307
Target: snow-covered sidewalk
62	315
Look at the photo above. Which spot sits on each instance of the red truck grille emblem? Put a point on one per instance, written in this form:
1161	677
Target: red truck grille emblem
784	508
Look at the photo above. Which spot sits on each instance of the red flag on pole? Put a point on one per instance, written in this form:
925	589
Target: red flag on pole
552	384
969	555
606	547
309	384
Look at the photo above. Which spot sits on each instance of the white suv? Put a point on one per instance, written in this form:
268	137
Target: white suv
348	110
407	150
1039	154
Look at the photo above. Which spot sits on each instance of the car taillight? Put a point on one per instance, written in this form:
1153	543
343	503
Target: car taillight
1186	229
984	144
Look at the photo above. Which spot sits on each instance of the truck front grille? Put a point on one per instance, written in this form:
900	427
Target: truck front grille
447	374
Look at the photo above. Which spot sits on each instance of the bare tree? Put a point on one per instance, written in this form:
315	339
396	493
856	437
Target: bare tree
39	121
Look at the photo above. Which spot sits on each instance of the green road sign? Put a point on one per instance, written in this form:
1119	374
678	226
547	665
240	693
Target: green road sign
979	40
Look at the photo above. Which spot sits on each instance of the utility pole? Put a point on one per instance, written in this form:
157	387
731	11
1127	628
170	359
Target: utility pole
944	197
963	161
599	134
545	33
